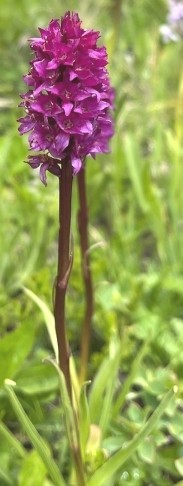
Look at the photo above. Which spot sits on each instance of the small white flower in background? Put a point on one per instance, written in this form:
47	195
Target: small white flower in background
173	29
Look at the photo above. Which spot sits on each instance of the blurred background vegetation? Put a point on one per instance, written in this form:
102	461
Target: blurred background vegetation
135	202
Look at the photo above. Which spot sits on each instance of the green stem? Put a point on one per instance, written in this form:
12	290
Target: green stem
87	279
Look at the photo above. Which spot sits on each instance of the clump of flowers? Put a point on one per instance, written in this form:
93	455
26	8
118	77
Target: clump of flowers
173	30
69	97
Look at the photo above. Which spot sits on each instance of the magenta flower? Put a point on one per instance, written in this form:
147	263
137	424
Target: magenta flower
68	104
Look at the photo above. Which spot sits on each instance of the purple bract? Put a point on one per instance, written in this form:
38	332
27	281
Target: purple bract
69	100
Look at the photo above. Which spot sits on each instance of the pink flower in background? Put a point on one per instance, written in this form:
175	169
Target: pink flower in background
173	29
69	101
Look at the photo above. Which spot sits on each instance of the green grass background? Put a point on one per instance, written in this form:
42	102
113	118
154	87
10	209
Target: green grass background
135	198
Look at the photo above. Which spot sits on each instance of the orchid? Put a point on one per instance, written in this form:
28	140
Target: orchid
69	100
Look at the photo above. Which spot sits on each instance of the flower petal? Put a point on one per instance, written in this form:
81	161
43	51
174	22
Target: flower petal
76	164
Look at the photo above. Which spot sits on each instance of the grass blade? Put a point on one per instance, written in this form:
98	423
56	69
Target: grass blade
6	478
129	380
109	393
13	442
37	441
132	158
97	390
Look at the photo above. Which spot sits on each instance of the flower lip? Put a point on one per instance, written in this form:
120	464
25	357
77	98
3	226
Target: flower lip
69	99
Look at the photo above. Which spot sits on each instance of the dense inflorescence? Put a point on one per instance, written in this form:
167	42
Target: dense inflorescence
68	104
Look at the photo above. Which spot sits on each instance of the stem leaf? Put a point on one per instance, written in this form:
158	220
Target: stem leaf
68	411
48	317
84	417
